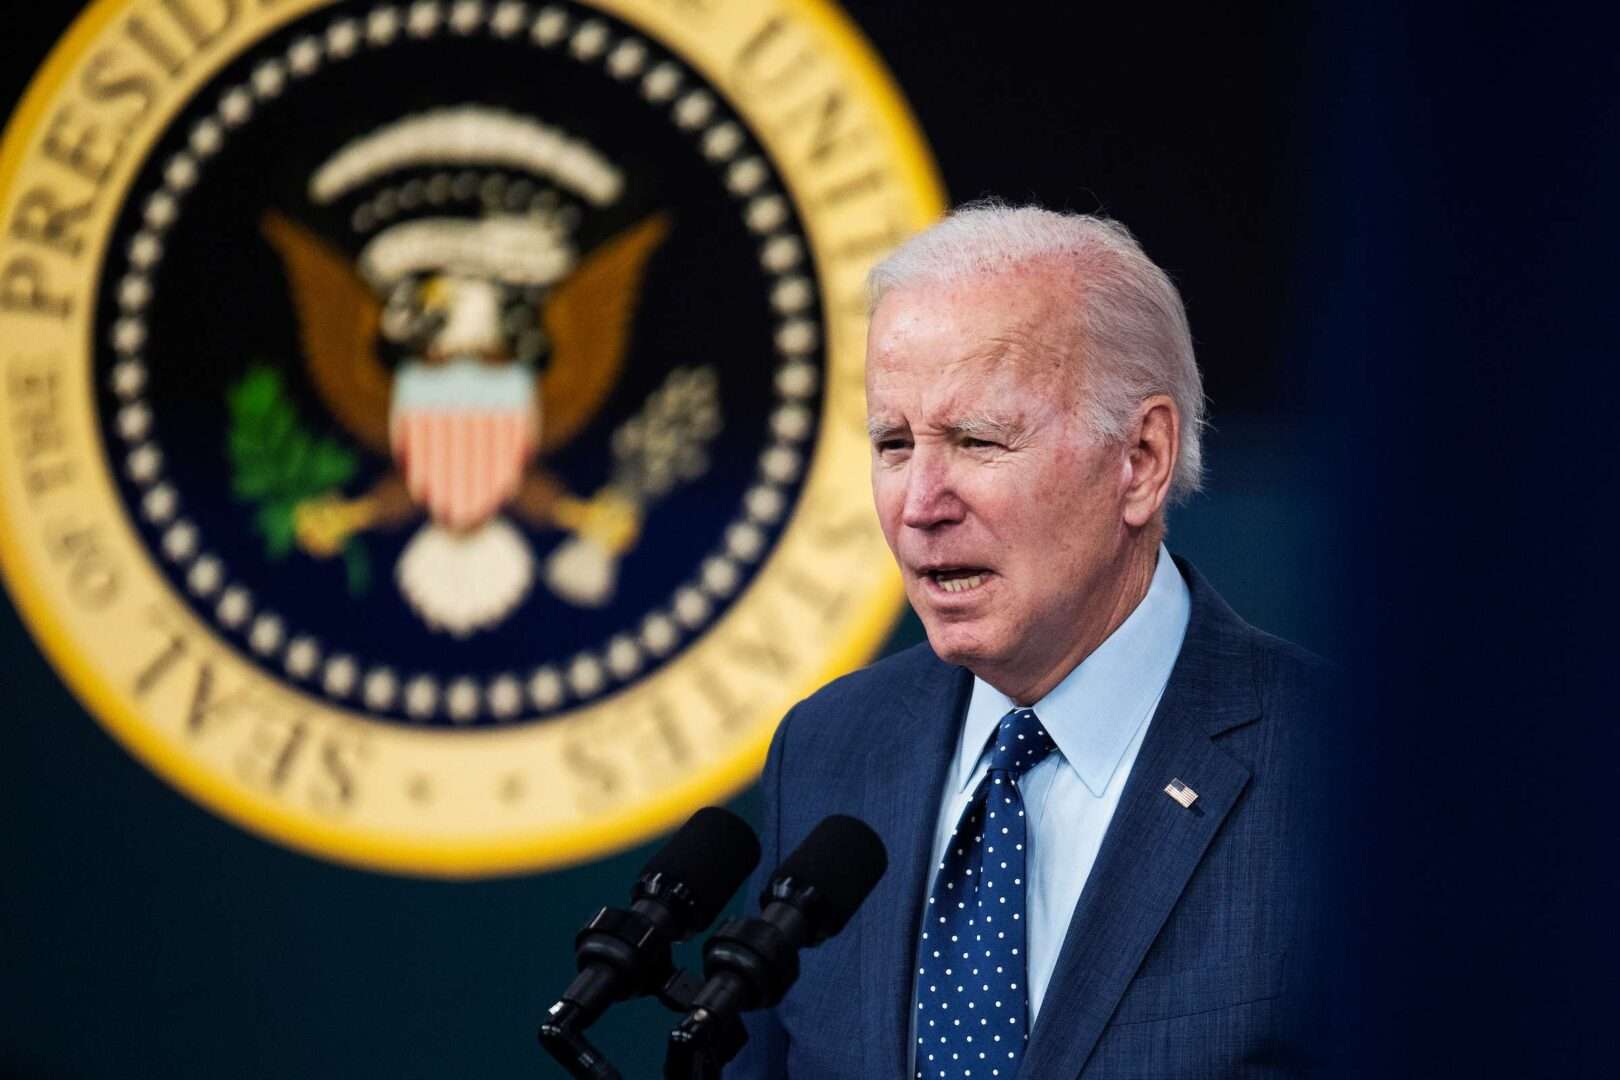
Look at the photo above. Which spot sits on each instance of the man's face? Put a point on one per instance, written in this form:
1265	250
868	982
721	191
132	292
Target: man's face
1002	510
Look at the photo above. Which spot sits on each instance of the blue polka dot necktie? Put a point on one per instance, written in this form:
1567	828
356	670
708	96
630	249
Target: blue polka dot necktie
972	996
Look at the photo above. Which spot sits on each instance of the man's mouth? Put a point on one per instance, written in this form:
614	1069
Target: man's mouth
957	579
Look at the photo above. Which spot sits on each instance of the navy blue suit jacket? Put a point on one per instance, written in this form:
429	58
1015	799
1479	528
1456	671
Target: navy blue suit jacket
1187	954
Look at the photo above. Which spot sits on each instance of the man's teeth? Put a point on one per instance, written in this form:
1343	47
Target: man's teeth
960	584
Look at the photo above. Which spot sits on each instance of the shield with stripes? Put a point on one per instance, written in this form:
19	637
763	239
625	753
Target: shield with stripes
463	459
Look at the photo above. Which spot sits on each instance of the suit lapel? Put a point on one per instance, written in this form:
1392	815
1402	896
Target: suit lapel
901	801
1153	844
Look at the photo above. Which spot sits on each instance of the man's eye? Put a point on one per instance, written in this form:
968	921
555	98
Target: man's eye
886	446
977	444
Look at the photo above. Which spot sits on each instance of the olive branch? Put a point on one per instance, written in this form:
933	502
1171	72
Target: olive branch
667	442
276	464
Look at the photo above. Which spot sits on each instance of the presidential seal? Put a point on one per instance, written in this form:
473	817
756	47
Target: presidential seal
434	433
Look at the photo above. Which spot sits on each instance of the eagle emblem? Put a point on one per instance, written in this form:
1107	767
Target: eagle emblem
467	349
430	447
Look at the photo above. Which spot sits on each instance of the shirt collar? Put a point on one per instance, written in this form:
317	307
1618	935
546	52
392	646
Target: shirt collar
1094	712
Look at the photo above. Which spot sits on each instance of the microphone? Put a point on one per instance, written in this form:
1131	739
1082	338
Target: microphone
622	954
751	963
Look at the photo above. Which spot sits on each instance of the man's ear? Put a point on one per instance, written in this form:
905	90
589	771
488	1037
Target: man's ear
1151	450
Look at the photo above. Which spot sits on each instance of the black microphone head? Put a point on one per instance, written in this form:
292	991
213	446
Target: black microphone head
830	874
701	866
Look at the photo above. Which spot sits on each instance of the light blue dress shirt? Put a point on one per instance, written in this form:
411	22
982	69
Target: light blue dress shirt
1098	716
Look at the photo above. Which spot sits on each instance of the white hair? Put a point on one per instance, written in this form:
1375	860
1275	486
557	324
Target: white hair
1128	317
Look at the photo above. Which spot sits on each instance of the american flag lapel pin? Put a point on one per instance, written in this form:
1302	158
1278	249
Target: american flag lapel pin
1181	793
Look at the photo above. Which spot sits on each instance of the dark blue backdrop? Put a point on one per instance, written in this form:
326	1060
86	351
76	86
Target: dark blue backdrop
1463	232
1395	231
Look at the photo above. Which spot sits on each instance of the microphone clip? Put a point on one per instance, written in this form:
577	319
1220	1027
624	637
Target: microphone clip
758	954
626	943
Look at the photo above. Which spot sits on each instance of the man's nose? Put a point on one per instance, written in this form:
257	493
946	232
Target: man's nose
931	496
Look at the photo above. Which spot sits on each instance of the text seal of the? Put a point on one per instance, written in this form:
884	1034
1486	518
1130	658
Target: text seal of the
433	431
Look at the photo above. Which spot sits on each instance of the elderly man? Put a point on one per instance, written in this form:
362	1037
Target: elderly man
1093	780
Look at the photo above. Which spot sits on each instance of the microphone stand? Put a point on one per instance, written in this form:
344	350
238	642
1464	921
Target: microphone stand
750	962
701	1045
623	954
562	1034
563	1037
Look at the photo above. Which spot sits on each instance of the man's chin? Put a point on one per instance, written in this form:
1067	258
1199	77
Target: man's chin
959	644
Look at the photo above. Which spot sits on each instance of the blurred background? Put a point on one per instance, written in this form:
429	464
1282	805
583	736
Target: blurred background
1392	231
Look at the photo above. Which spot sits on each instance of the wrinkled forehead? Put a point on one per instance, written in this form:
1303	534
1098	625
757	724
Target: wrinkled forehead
1006	331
